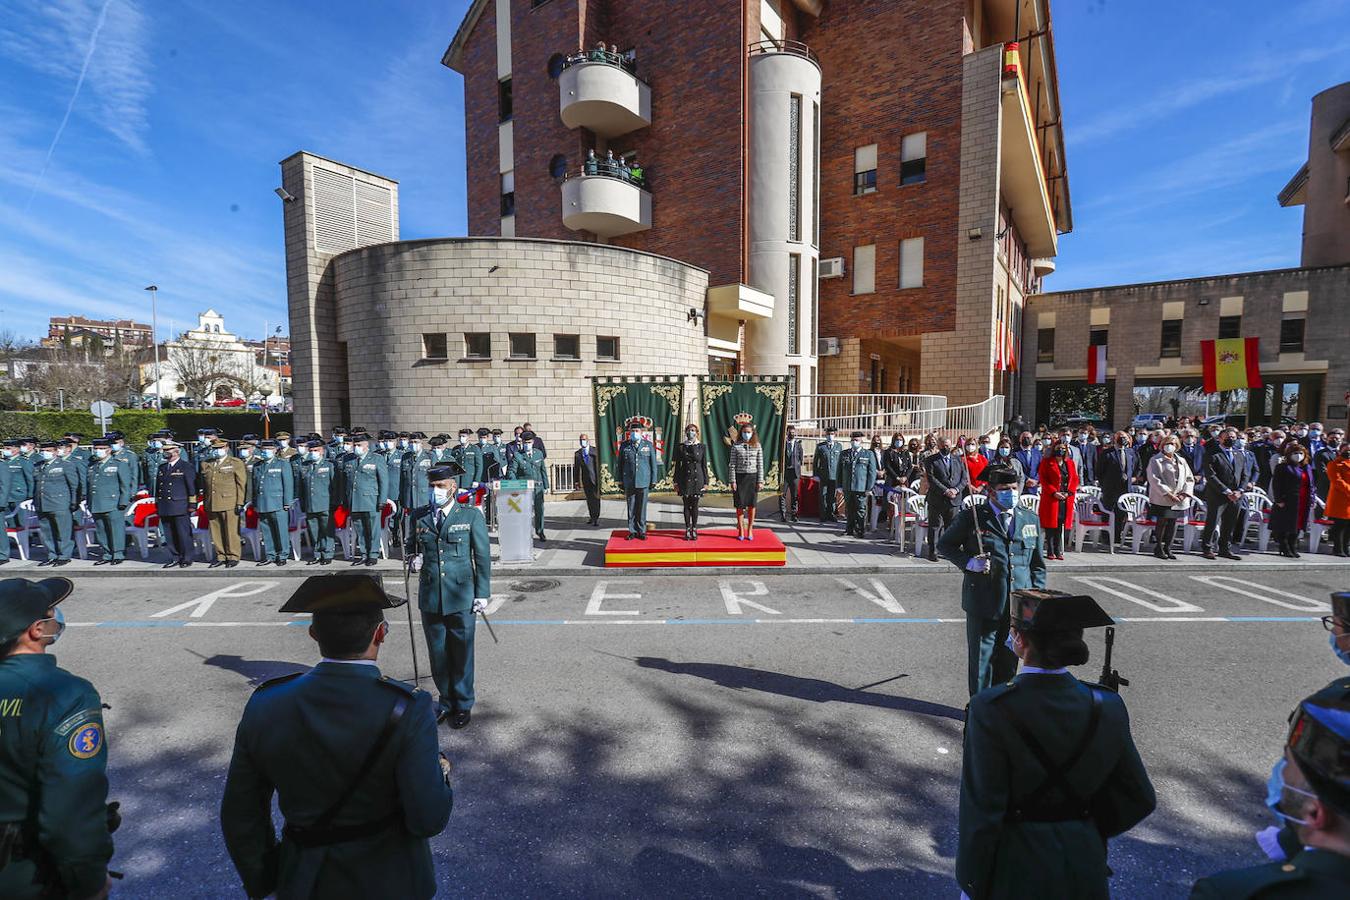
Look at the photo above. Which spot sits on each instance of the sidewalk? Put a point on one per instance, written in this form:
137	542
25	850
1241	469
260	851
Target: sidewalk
575	548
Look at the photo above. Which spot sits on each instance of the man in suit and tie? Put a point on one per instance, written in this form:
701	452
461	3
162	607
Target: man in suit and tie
1117	469
1224	468
948	482
176	501
792	474
1028	453
586	472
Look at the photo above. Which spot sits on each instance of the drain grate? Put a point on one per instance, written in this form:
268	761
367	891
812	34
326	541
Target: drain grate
533	585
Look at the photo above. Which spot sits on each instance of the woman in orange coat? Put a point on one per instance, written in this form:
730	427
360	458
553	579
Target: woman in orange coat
1059	485
1338	500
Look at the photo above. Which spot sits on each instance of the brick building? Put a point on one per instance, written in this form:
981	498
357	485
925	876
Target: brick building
874	186
76	331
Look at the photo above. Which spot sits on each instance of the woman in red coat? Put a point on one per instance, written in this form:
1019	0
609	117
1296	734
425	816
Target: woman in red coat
975	464
1059	485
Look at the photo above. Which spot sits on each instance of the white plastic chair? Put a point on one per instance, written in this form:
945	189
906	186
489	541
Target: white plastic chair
918	518
1090	516
1193	526
1031	502
201	537
1318	525
1137	522
250	532
143	524
973	500
1258	517
1087	490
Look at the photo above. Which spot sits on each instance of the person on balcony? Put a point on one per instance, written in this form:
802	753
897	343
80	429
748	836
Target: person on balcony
637	174
599	53
610	166
592	165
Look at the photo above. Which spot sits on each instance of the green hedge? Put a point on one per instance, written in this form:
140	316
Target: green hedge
139	424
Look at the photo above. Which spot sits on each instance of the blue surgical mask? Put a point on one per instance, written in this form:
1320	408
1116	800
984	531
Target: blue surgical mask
1004	451
1342	655
155	445
1005	498
100	453
60	619
48	455
269	454
1275	788
440	496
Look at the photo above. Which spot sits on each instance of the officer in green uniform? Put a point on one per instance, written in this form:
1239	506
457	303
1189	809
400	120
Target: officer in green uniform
413	487
528	464
439	451
286	451
200	452
1311	792
111	484
123	453
19	469
393	470
273	490
351	757
364	493
857	473
470	457
152	458
55	822
1049	770
337	447
78	453
319	498
825	466
494	463
454	583
57	493
997	545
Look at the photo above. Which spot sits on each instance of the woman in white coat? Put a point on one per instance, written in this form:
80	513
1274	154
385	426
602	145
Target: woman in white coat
1171	490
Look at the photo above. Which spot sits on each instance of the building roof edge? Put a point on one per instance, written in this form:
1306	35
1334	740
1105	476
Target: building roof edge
1145	284
466	239
453	56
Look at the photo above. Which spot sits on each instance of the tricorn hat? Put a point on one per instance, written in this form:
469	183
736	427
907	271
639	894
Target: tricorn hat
444	470
1319	740
1042	609
341	592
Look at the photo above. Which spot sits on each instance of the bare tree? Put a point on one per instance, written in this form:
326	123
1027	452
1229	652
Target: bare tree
203	370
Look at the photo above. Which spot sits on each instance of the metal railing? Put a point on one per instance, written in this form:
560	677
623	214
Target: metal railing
912	415
617	60
560	478
795	47
607	169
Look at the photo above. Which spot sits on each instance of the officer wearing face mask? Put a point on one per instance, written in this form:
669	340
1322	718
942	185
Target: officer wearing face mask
55	821
857	474
318	495
272	488
337	447
111	484
18	471
124	454
469	457
364	493
417	461
152	458
586	473
528	464
825	466
58	489
225	490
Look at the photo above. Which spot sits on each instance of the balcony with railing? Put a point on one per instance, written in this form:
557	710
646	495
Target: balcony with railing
606	200
600	90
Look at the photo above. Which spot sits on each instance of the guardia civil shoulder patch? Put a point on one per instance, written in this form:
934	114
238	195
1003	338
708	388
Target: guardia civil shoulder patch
85	742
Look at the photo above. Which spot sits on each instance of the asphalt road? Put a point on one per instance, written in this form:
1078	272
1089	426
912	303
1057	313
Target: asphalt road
708	736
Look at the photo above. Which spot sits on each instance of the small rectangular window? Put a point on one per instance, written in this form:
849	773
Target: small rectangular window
477	345
1291	335
913	158
1045	345
434	346
1097	337
1230	327
795	168
504	100
566	346
508	204
522	346
794	301
911	263
815	302
865	170
865	269
876	376
1171	339
607	349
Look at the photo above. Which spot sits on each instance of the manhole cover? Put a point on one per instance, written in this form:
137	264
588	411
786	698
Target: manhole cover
533	585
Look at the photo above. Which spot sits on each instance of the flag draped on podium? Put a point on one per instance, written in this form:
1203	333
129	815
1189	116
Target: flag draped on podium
1231	363
1096	367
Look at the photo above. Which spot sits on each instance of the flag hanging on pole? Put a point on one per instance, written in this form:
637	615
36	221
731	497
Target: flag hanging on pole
1231	363
1096	366
1010	358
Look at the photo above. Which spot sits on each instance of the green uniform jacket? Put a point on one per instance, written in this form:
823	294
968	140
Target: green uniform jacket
20	469
133	464
471	458
271	485
456	559
997	858
1314	874
303	738
58	486
53	765
319	486
150	463
639	464
363	482
530	465
111	484
825	462
857	470
414	487
393	475
1015	561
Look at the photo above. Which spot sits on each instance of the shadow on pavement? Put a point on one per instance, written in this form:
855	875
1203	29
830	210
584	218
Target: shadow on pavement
255	670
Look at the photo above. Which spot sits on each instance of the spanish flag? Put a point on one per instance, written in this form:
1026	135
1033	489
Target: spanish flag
1231	363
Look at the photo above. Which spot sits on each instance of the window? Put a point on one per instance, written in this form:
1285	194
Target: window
795	168
815	175
522	346
477	345
557	167
864	269
1097	337
607	349
865	170
504	100
876	376
911	263
508	194
815	304
1230	327
913	158
1291	335
434	346
566	346
1171	338
1045	345
793	301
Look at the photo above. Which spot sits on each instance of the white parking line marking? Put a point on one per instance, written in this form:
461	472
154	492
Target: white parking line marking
204	603
1268	594
881	597
598	596
1166	605
734	599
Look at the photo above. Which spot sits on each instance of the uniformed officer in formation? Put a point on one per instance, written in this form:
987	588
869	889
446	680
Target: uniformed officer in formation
1050	769
122	452
225	492
469	457
58	490
286	450
55	822
454	583
112	483
825	466
78	453
200	451
337	446
350	755
19	469
389	451
997	545
152	458
528	464
439	450
175	502
273	492
857	475
319	497
494	460
364	493
639	470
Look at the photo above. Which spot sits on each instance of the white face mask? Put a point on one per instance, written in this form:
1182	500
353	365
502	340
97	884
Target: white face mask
440	496
584	443
463	439
691	436
100	453
48	455
362	449
416	447
1296	457
269	453
316	455
245	452
856	444
1170	449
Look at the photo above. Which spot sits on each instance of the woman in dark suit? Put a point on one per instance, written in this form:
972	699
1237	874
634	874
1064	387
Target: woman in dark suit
1291	493
691	477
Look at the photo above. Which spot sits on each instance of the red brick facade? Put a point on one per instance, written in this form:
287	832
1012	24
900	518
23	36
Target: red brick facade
480	128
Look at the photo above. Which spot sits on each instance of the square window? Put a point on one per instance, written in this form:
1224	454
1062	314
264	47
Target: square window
607	349
504	100
913	158
566	346
1291	336
1097	337
865	182
1230	327
1171	339
1045	345
477	345
522	346
434	346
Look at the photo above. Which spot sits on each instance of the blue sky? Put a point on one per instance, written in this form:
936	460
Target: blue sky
1182	124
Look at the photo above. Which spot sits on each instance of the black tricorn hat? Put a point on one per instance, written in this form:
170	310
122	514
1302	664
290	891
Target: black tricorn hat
445	469
1340	605
996	475
1041	609
1319	741
341	592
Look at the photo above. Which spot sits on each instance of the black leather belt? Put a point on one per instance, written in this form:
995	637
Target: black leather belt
337	834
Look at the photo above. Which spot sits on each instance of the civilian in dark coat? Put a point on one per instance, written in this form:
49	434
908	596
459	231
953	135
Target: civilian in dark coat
1117	468
1291	493
792	476
1224	468
898	464
175	502
948	483
1263	450
690	474
586	473
1029	455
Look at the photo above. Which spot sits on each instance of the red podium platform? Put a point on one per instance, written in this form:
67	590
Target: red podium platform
714	547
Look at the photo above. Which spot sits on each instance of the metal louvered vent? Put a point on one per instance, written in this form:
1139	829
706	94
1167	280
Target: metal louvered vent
374	214
350	213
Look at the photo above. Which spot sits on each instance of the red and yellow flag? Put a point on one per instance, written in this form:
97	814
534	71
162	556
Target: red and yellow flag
1231	363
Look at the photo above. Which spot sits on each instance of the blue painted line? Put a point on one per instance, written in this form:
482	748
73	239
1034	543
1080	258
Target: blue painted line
896	621
529	621
1273	618
712	621
167	623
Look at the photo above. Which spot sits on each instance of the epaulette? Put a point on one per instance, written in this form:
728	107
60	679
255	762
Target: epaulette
278	680
403	686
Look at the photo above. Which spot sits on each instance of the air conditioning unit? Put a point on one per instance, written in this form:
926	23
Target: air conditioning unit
827	347
832	267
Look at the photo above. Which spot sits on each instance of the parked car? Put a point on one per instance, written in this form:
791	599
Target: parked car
1237	421
229	403
1079	421
1148	420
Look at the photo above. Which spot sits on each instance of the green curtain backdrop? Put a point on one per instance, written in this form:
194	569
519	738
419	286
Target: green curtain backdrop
659	399
764	399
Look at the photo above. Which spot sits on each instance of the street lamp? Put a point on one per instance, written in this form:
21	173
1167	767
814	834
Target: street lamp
154	340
